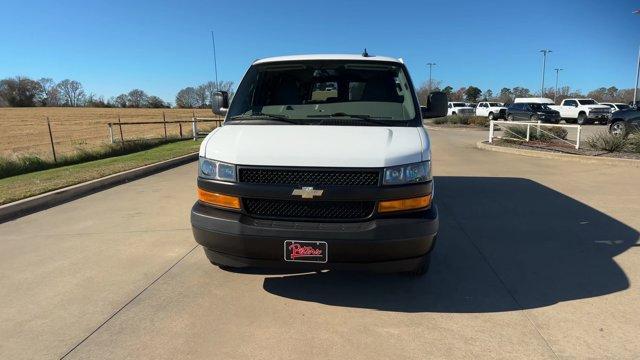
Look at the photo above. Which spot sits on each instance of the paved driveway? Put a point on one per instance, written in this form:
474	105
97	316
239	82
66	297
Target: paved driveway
537	258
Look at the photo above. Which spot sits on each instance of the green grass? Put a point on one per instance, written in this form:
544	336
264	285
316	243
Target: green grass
23	164
25	185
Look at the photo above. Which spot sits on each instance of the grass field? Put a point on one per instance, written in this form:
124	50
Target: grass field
26	185
24	130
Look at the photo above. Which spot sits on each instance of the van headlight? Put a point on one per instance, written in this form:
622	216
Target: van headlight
216	170
407	174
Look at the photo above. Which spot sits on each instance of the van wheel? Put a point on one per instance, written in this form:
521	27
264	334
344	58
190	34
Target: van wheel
453	113
422	268
491	117
582	118
510	117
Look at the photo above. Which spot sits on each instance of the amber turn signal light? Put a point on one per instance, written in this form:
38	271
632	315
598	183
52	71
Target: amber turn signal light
404	204
220	200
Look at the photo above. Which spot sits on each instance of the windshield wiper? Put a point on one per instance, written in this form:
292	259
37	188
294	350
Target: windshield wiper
260	115
366	118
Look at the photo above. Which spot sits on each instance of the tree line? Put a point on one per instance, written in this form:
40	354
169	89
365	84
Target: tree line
23	91
507	95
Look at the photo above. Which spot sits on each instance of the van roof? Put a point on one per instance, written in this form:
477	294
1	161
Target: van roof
327	57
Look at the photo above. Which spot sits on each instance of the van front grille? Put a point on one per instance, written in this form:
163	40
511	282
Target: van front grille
308	209
299	177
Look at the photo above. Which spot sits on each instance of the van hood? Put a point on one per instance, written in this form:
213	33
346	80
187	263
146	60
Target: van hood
316	146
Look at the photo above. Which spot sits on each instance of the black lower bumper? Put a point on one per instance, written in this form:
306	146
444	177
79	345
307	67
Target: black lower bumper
385	244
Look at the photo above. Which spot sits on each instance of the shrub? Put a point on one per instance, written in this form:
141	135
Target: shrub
604	141
440	121
558	132
479	121
633	142
459	120
547	133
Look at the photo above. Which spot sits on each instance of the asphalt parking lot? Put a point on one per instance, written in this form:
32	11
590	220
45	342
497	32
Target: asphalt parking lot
537	258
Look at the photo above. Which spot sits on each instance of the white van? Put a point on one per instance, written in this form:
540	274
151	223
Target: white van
322	163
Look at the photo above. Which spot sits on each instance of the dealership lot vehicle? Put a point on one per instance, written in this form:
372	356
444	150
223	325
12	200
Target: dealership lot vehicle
582	111
460	108
303	179
617	106
624	122
492	110
523	111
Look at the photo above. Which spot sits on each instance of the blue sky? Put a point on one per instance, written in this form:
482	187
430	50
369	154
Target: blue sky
163	46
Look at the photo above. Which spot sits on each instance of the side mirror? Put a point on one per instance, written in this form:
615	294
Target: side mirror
220	102
437	103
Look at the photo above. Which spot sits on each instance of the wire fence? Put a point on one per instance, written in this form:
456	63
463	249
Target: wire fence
58	135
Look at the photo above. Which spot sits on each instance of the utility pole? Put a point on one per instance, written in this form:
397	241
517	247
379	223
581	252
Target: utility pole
431	65
544	65
215	62
635	89
555	93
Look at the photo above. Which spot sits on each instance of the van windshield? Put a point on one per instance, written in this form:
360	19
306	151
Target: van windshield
325	92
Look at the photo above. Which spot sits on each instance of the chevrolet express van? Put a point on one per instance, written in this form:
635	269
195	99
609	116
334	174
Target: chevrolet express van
322	162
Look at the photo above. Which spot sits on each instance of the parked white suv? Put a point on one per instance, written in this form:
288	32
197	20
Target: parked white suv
582	111
492	110
460	108
300	177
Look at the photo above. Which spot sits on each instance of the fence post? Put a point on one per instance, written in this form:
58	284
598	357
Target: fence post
490	131
578	138
194	128
538	129
121	135
53	148
180	126
164	120
111	131
528	131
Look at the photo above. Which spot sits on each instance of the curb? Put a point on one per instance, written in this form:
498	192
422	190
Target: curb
558	156
50	199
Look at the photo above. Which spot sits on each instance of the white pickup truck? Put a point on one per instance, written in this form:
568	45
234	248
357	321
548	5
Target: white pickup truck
460	108
582	111
492	110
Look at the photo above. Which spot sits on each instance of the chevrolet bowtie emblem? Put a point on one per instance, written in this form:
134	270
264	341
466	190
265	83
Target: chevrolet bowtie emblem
307	192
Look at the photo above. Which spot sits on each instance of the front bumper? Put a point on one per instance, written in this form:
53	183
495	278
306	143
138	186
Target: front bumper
382	244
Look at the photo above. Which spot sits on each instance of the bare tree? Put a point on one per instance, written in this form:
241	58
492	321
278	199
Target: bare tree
137	98
156	102
121	100
19	91
186	98
49	94
202	96
72	92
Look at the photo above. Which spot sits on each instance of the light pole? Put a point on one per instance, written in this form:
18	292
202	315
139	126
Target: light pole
544	65
635	89
555	93
431	65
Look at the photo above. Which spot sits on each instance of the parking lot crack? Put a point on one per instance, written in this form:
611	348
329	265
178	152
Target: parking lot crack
128	302
495	272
